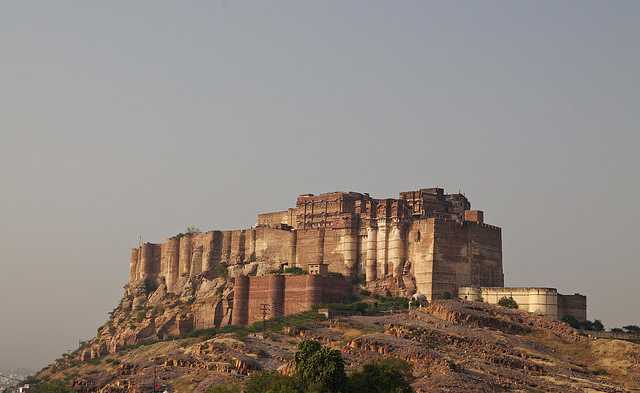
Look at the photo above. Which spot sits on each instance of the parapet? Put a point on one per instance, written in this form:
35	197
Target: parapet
540	301
474	216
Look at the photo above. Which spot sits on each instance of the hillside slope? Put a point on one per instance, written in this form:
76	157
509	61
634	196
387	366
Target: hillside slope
453	346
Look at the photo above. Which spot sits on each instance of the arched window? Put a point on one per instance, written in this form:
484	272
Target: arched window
418	236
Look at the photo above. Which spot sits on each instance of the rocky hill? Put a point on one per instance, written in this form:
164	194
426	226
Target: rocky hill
453	346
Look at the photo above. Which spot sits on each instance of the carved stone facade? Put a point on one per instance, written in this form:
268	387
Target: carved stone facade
426	237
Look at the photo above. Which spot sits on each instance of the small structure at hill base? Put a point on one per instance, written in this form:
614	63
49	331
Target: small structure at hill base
540	301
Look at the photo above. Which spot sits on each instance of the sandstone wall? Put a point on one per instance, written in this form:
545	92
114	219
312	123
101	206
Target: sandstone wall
274	219
187	255
540	301
427	235
420	248
445	255
275	245
283	295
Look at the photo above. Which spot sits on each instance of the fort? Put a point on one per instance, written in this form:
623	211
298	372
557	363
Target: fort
425	241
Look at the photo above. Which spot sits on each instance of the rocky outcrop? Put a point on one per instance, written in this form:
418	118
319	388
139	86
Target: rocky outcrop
149	313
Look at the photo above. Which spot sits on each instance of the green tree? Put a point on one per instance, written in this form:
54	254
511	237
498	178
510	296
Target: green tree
508	302
597	326
270	382
319	369
571	321
385	376
632	328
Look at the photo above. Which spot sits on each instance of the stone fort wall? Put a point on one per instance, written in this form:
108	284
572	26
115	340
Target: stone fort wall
429	236
540	301
284	295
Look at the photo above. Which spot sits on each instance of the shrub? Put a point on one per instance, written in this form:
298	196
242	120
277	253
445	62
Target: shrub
150	285
270	382
295	270
357	279
220	270
140	316
192	229
508	302
319	368
632	328
385	376
595	326
224	388
364	292
94	362
571	321
617	330
49	387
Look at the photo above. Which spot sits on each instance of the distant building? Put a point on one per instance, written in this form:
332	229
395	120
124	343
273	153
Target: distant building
540	301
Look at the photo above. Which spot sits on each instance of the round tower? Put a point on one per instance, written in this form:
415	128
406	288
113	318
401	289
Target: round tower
146	261
171	275
349	247
396	250
240	312
133	264
372	249
382	249
184	259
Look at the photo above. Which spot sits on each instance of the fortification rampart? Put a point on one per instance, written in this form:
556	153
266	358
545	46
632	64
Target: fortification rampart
540	301
284	295
430	237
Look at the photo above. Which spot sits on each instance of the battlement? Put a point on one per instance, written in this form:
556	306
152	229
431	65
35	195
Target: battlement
281	295
426	233
541	301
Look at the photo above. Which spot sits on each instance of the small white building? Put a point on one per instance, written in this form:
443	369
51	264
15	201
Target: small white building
540	301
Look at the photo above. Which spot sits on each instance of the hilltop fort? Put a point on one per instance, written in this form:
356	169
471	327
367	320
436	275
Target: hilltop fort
426	244
428	241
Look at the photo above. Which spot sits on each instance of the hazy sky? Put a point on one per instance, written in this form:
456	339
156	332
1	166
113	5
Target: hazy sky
122	118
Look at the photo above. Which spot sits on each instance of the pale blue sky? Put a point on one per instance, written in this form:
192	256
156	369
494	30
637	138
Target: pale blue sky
125	118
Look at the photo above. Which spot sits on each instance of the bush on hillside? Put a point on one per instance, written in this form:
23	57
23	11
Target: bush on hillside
571	321
224	388
270	382
508	302
595	326
384	376
319	368
48	387
295	270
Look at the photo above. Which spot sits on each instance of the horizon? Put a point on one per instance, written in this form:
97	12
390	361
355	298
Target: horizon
123	120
